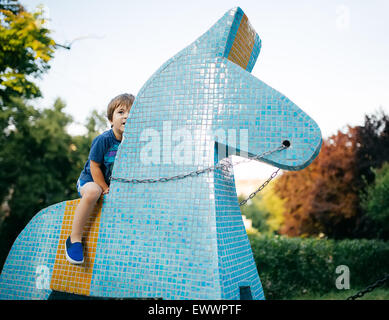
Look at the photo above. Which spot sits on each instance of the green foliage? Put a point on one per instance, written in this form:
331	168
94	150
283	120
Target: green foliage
376	200
40	164
96	123
251	210
265	210
11	5
273	205
291	267
25	51
37	164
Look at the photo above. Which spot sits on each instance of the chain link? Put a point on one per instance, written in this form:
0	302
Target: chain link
253	194
226	165
370	288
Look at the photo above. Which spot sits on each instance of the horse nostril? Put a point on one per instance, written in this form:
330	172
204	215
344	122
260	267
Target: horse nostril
286	143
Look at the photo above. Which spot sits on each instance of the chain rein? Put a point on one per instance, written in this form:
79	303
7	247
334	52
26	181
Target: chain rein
219	165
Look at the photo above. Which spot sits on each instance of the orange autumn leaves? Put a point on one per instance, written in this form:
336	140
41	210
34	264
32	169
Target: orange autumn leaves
322	198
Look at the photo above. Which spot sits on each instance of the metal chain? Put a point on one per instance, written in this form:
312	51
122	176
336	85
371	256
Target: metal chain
369	288
252	195
219	165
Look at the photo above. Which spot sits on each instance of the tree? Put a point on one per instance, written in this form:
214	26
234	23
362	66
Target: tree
325	197
375	201
322	198
26	49
96	123
11	5
273	205
372	152
373	146
257	216
265	210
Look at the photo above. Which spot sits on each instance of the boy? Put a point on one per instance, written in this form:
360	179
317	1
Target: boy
94	178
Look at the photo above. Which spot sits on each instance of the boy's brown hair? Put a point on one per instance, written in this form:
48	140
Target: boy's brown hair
124	99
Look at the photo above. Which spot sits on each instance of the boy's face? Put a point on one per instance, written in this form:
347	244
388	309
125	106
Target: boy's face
119	118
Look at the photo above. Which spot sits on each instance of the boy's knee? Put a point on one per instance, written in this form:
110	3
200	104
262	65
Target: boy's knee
93	193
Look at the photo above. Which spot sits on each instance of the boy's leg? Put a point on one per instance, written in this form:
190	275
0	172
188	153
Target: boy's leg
90	193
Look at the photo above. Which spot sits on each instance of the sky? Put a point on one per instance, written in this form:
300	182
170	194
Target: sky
328	57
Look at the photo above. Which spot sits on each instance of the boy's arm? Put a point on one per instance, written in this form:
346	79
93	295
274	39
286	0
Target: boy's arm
98	176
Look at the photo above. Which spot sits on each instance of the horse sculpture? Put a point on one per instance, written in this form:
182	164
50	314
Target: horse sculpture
154	236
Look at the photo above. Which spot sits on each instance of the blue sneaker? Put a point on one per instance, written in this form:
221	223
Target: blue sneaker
74	252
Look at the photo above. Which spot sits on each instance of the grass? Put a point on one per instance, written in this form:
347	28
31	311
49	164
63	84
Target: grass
376	294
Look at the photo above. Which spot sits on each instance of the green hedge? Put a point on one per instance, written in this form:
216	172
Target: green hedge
293	266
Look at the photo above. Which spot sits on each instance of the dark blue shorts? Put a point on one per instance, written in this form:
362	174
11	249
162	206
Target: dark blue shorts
80	184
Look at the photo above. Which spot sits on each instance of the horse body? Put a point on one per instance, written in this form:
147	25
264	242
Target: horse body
183	238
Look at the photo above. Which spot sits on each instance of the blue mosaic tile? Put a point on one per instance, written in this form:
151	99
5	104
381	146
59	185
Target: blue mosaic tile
180	239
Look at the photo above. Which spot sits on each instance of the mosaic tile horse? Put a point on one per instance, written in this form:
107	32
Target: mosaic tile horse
178	239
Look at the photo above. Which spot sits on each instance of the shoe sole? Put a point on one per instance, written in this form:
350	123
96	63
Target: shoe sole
70	259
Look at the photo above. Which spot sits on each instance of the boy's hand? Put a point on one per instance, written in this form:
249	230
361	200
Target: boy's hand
98	177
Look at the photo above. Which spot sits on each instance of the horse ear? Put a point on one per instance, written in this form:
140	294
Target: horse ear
243	43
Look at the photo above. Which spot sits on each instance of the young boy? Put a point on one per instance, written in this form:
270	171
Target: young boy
94	178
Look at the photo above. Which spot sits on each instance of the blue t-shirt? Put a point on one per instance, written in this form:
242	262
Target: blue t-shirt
103	150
